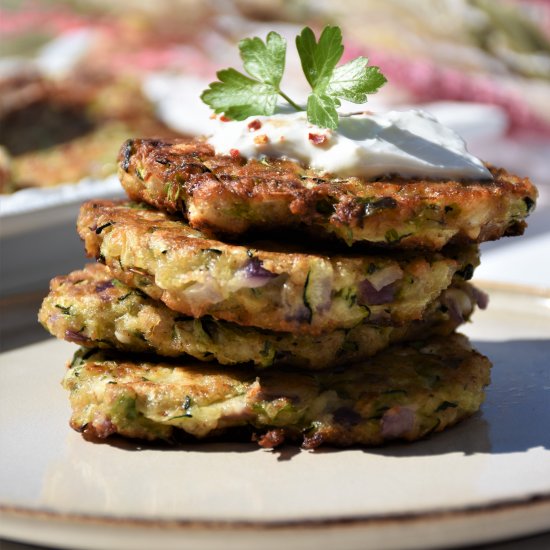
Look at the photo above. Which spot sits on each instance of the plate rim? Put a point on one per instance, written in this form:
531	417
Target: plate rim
533	501
447	528
529	290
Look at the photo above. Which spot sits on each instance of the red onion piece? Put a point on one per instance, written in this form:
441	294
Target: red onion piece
205	292
397	422
460	304
379	288
481	298
100	287
346	416
254	274
451	300
385	276
300	314
369	296
76	337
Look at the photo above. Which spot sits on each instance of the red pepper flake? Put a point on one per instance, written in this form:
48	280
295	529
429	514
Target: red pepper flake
261	139
223	118
317	139
234	153
254	125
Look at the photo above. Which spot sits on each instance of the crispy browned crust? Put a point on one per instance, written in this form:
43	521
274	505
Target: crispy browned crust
231	196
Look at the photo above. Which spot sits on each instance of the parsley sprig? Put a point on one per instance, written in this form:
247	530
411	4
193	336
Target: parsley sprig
239	96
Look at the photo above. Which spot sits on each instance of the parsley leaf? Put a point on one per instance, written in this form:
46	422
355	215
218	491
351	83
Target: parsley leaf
239	96
321	110
265	62
319	59
352	81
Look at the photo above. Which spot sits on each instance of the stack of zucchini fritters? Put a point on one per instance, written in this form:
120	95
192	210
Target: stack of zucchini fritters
257	297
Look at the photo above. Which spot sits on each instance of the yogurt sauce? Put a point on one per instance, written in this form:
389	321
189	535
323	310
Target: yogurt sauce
408	143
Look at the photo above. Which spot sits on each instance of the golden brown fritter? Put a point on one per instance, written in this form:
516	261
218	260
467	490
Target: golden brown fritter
290	291
60	131
91	308
404	392
229	196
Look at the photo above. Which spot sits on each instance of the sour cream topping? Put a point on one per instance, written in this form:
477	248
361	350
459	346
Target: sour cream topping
408	143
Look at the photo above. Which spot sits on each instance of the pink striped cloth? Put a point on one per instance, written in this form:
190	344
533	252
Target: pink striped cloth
423	79
426	82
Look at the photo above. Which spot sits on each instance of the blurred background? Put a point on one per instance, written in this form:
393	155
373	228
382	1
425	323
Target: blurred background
77	77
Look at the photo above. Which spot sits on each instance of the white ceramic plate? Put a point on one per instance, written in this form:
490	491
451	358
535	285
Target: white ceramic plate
484	480
37	232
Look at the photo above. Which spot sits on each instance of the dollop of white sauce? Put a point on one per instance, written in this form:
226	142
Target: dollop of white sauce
408	143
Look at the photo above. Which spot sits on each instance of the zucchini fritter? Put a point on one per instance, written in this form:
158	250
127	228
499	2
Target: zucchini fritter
404	392
283	291
59	131
230	196
91	308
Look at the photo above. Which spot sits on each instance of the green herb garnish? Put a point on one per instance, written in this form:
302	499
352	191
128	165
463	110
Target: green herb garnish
238	96
102	227
352	81
446	405
66	310
185	406
305	299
